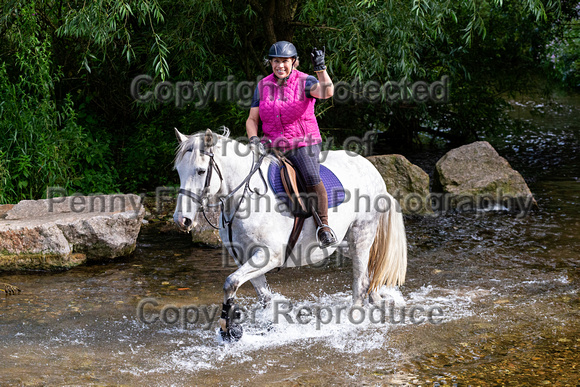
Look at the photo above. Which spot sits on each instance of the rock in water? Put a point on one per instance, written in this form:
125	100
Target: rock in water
476	170
408	183
63	232
9	289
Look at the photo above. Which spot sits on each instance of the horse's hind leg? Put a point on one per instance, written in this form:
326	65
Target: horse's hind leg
360	284
359	245
375	298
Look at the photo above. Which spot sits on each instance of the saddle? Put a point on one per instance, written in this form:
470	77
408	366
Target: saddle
289	186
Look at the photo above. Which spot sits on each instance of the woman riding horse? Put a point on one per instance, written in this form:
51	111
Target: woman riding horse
373	235
284	102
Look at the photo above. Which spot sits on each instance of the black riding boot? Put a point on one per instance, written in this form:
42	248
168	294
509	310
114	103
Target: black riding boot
325	235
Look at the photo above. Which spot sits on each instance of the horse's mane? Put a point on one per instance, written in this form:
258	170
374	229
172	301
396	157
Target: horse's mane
196	141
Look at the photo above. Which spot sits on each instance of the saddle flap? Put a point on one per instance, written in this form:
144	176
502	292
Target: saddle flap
294	188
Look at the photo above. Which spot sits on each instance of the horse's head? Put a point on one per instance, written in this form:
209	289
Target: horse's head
199	175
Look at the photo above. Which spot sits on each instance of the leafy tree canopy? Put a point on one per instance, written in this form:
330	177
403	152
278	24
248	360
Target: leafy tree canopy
70	65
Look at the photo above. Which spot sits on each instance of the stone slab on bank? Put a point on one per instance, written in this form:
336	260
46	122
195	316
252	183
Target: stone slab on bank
63	232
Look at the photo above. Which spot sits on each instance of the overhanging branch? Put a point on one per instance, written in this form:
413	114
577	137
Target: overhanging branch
322	26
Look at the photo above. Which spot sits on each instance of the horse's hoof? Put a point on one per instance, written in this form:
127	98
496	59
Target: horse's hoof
233	333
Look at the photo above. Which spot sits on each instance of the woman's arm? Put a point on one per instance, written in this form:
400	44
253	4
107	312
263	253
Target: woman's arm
252	122
324	88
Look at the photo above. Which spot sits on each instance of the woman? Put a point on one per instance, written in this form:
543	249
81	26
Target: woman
284	102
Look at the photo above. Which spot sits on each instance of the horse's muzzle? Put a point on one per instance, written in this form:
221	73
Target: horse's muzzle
184	223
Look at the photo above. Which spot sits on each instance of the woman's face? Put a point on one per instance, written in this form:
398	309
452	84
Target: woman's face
282	67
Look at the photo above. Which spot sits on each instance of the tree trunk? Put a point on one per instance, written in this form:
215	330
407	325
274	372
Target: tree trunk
278	18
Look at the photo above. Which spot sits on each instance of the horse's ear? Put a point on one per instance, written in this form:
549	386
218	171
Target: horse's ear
208	140
180	137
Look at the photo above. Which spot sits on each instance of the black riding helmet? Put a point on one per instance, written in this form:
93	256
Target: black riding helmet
282	49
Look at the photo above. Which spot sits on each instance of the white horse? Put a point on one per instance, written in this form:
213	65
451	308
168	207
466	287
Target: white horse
215	169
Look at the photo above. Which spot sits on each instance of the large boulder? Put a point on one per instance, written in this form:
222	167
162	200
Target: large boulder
477	171
63	232
408	183
203	232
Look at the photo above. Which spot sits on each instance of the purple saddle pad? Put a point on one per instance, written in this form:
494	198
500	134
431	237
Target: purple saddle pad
334	188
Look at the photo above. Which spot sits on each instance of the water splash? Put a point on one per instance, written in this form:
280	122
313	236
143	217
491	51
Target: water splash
327	321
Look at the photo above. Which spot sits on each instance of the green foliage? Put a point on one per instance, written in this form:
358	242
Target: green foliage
41	143
563	52
147	161
489	49
105	23
67	117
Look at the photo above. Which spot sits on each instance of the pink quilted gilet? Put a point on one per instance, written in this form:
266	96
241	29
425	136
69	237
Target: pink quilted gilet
287	115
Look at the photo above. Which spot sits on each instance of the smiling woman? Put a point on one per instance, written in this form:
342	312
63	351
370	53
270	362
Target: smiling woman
284	103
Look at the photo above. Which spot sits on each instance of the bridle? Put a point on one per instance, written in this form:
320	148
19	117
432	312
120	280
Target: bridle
203	201
199	198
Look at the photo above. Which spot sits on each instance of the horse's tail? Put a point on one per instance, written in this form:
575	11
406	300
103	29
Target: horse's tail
388	256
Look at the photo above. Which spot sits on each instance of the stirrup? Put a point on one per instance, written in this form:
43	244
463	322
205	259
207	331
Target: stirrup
331	233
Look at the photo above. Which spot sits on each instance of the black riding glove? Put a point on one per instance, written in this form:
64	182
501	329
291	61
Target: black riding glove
317	57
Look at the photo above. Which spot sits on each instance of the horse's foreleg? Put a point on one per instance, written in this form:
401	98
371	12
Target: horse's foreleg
259	264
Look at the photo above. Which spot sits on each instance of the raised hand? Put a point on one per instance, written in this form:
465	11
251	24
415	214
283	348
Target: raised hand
317	57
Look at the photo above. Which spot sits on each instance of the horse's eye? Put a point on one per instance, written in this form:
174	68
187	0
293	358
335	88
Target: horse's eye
201	171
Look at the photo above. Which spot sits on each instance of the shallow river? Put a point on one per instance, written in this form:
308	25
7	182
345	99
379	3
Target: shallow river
490	299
